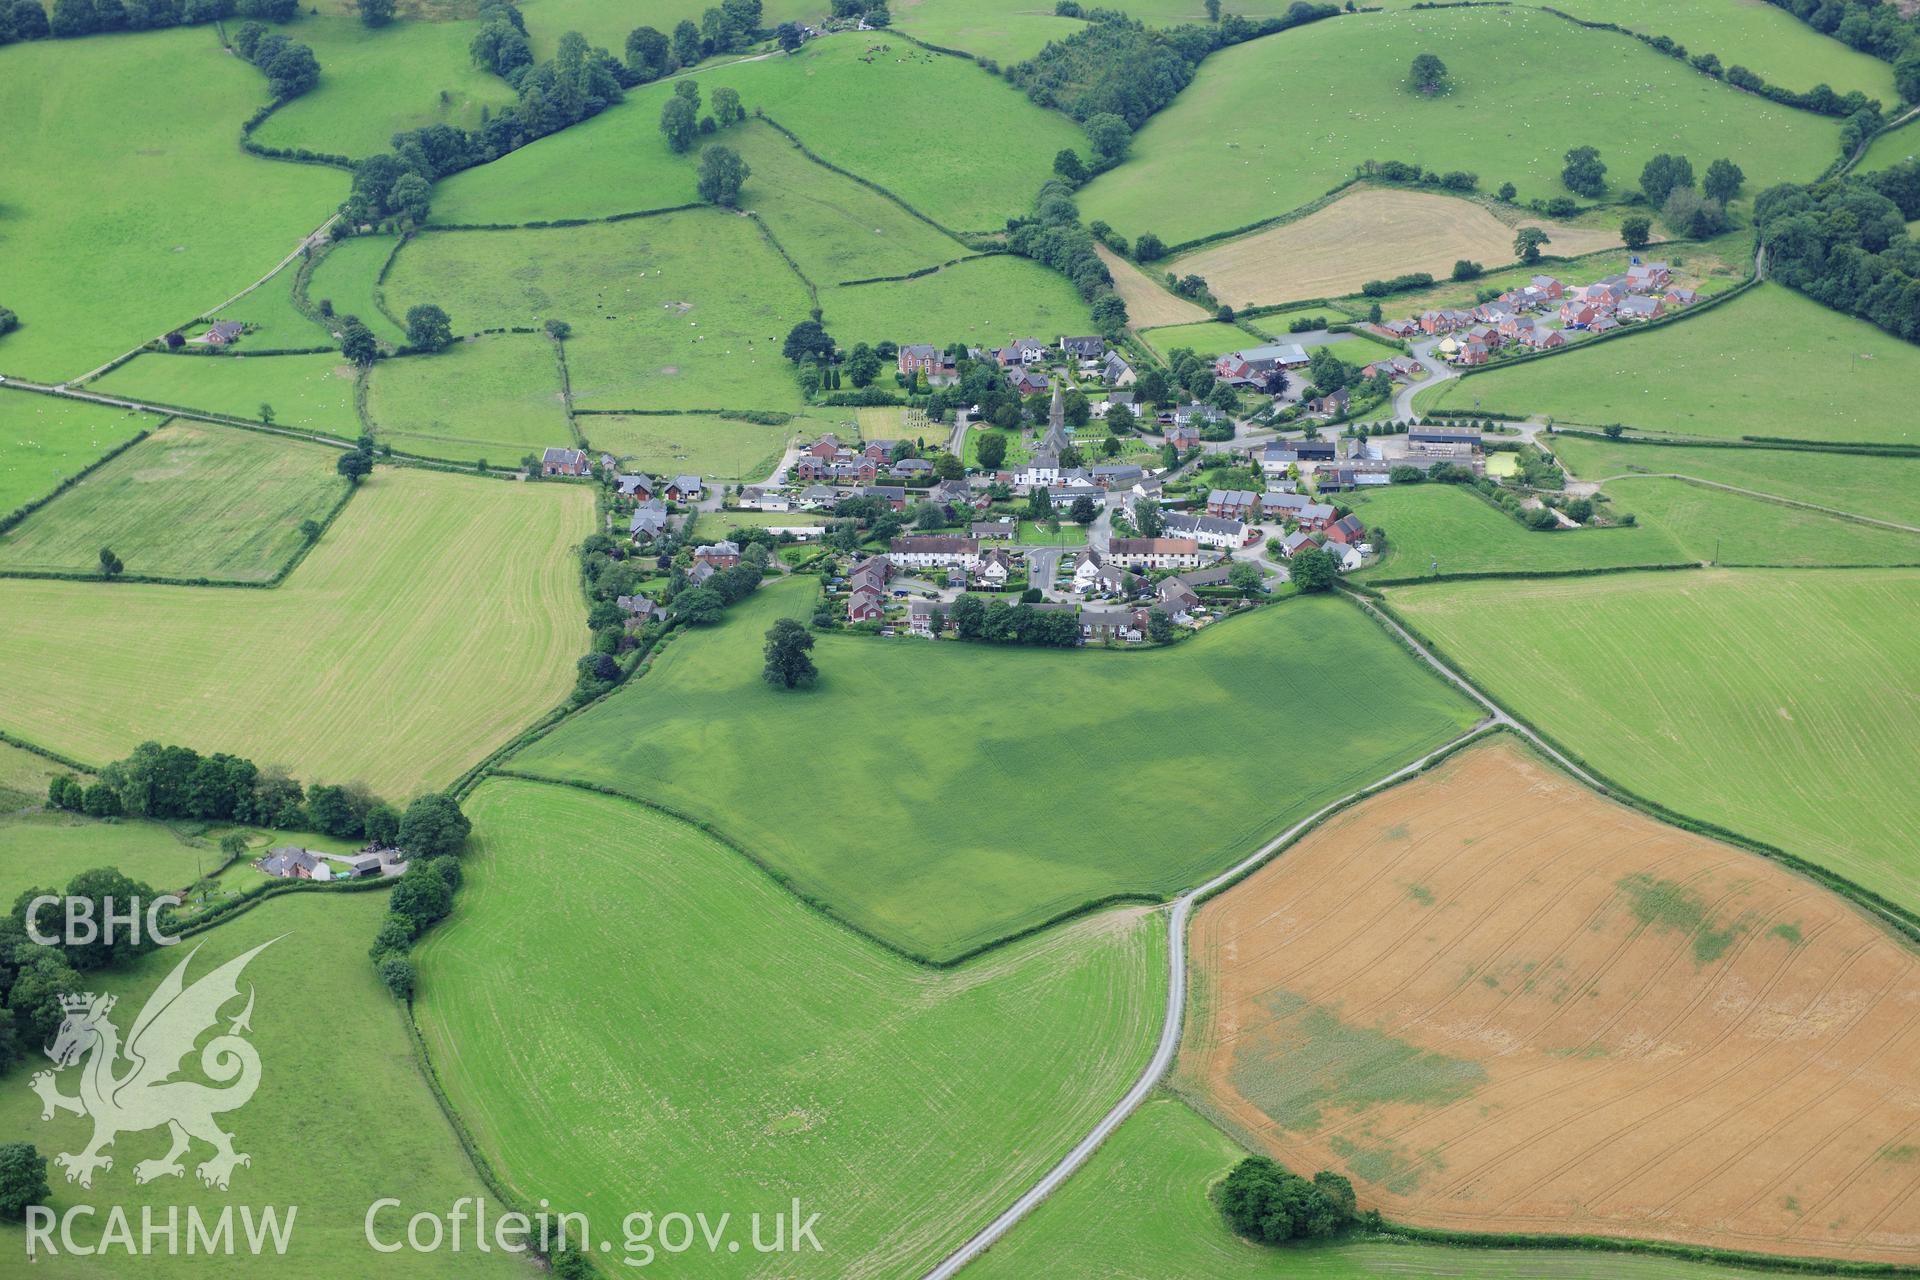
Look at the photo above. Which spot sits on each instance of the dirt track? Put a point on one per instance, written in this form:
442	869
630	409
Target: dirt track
1501	1002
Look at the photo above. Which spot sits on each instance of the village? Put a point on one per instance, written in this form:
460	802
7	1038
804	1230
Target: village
1130	522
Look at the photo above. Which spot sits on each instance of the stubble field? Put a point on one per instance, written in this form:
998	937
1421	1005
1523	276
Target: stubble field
1500	1002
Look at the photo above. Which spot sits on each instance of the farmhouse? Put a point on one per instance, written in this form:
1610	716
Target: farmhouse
1154	553
1208	531
1255	363
928	552
563	462
291	862
925	358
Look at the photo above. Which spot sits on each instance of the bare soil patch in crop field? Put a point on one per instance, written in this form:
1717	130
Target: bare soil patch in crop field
1370	234
1501	1002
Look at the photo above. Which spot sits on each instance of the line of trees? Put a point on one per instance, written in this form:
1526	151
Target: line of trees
1001	622
1882	30
29	20
433	835
1054	237
290	67
1845	244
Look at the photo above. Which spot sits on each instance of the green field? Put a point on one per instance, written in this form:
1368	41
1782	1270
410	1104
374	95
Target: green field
674	1028
931	867
688	443
346	276
1466	534
834	99
1889	149
1769	363
495	398
376	82
1883	488
130	141
1773	702
1140	1210
1761	37
190	501
685	311
43	440
1005	38
45	850
1527	86
342	1116
274	323
24	776
983	300
313	393
1729	529
363	665
1208	339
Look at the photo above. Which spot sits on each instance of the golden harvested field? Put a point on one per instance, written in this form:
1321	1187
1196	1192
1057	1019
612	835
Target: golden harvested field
1501	1002
1147	303
1370	234
437	616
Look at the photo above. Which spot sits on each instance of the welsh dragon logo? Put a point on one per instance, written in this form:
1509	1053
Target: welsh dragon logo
130	1088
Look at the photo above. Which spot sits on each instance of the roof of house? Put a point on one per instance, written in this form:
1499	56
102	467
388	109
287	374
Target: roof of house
1122	547
571	457
933	545
685	483
1348	527
1231	498
922	349
1204	524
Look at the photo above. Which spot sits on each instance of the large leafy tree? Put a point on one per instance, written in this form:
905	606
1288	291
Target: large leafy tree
788	665
1427	74
1586	173
678	124
722	172
428	328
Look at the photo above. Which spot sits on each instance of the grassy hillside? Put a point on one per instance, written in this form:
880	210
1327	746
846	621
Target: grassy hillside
1140	1209
366	1130
1712	524
150	118
1884	488
376	82
1889	149
1273	124
684	1031
1768	363
1771	702
189	501
685	311
312	392
834	94
698	443
999	787
363	665
495	398
44	440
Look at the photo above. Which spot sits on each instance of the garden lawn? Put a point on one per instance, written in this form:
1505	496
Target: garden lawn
1769	363
130	141
1018	450
1340	87
685	311
495	398
1467	534
1209	339
311	393
44	440
1883	488
831	94
1776	703
363	665
673	444
703	734
983	301
347	278
702	1037
341	1105
1730	529
189	501
1142	1208
1068	535
376	82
